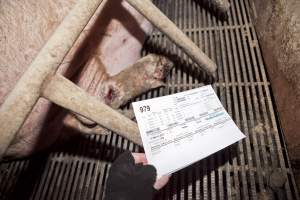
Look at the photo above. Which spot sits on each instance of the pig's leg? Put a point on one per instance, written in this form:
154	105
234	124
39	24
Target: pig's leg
116	91
146	74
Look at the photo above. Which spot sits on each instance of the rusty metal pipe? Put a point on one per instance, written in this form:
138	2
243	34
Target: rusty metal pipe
63	92
158	19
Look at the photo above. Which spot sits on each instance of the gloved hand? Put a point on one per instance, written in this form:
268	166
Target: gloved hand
129	179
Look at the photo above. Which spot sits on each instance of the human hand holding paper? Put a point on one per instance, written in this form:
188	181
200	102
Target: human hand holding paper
160	181
180	129
131	178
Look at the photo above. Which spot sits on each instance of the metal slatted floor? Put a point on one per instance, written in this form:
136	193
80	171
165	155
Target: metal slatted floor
245	170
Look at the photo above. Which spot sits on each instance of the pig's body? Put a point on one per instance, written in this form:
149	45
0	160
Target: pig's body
111	42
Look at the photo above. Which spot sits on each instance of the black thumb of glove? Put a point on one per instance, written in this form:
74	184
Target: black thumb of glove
130	181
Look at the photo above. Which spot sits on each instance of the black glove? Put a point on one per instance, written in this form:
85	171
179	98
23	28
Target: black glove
130	181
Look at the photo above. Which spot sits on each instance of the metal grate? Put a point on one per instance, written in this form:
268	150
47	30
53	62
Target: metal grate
241	171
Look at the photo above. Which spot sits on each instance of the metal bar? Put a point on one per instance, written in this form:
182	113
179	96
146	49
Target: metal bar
47	179
59	184
204	168
65	179
92	164
76	191
23	166
21	100
6	171
50	185
74	168
237	109
44	177
211	160
221	96
227	105
63	92
232	99
155	16
93	184
10	178
243	75
102	178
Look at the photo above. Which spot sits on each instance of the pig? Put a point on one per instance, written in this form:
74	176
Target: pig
103	61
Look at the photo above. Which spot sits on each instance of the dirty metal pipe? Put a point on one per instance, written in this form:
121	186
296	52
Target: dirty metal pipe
158	19
23	97
63	92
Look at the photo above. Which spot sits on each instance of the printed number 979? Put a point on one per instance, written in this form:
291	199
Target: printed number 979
144	109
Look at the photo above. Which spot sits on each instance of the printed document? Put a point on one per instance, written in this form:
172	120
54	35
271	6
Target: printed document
180	129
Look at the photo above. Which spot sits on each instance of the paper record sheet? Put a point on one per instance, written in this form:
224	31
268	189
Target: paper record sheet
180	129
